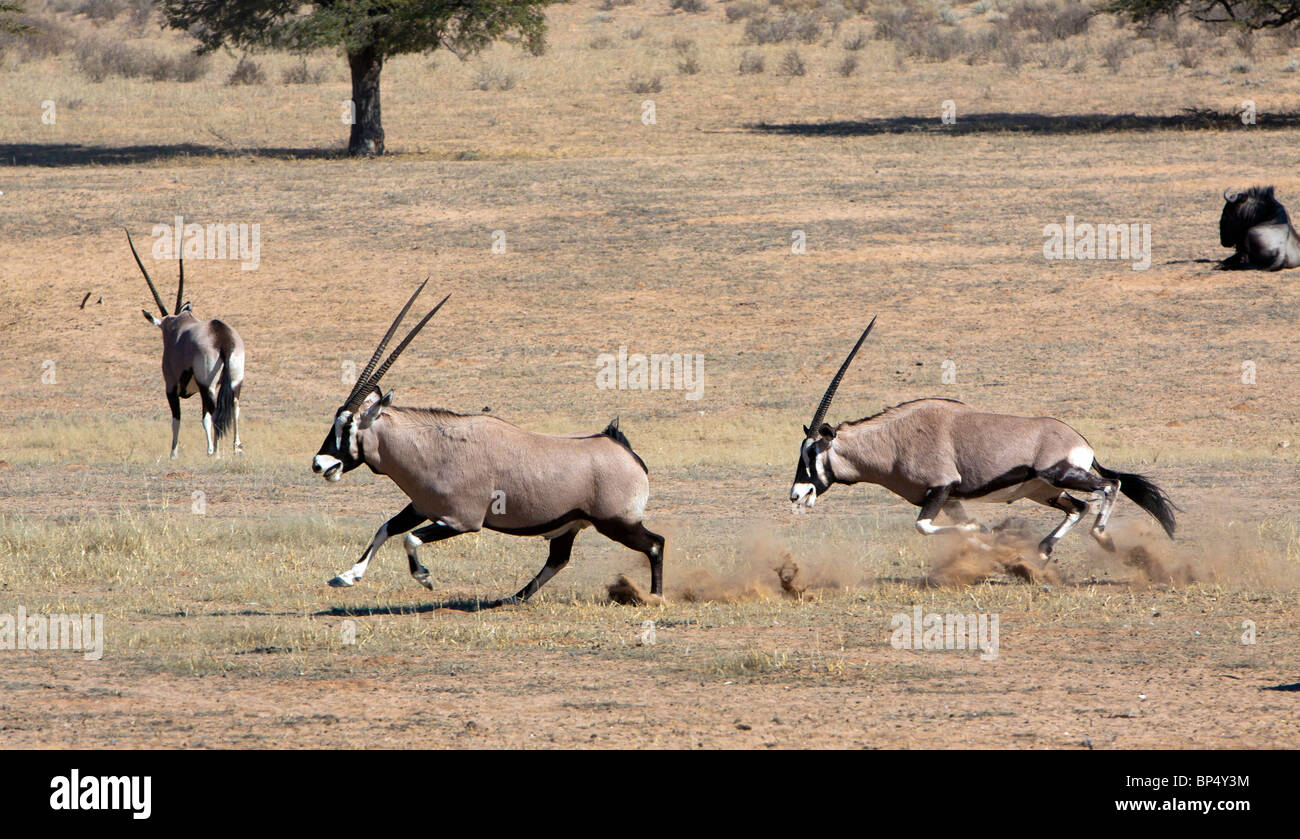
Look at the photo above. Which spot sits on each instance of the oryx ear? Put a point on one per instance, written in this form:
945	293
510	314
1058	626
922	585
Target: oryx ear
151	318
374	409
826	431
1230	196
184	308
807	432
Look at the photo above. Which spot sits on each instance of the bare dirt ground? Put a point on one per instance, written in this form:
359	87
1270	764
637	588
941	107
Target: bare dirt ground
673	237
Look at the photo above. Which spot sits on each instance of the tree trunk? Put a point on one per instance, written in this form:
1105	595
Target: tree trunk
367	130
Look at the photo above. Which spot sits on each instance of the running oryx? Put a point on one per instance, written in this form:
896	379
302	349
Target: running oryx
199	356
937	453
1256	225
466	472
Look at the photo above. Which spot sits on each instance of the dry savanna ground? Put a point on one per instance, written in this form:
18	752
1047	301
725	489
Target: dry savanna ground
674	236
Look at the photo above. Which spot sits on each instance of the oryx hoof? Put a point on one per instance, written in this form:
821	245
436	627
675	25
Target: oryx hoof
513	600
422	577
342	582
239	449
1103	539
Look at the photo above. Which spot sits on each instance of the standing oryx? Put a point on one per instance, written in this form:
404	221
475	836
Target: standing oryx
467	472
1255	224
199	356
937	453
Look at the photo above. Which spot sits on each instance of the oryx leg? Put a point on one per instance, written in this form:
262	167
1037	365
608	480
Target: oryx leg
209	406
638	538
957	513
1066	476
174	400
435	532
1074	510
399	523
239	444
561	548
936	499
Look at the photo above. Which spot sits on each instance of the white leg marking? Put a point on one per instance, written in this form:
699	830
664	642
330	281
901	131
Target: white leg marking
929	528
239	445
176	436
420	573
207	429
351	576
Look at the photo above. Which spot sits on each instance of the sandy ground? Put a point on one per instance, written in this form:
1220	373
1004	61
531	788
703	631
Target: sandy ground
667	238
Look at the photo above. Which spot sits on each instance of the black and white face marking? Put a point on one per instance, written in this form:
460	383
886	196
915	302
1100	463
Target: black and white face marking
339	453
812	475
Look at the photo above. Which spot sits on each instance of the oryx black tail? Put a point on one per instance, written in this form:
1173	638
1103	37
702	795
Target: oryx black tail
223	411
1143	492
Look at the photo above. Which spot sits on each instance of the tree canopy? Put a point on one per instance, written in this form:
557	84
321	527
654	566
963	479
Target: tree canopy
1253	14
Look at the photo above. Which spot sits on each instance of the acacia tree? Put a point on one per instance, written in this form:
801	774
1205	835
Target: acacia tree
367	31
1253	14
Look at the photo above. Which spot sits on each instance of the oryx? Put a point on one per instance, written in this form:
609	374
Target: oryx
199	356
937	452
466	472
1256	225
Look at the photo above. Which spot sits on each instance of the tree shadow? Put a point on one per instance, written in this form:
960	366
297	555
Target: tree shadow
1190	119
78	154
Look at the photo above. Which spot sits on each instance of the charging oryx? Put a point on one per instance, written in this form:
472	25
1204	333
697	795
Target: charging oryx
467	472
936	453
199	356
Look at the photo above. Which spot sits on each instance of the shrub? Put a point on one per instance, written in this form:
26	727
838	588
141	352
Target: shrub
247	71
300	73
856	41
792	64
43	36
751	64
848	65
692	6
644	83
1114	52
488	77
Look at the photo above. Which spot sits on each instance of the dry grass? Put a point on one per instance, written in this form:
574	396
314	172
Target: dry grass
674	237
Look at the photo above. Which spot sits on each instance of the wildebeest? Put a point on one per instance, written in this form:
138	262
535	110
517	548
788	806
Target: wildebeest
1256	225
466	472
199	356
936	453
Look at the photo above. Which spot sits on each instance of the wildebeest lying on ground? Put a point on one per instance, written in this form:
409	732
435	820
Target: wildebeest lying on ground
1255	223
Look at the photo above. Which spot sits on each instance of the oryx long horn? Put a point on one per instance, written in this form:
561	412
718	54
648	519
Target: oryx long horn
835	382
360	386
180	288
156	298
383	368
